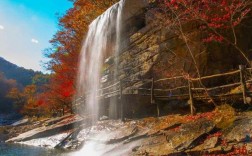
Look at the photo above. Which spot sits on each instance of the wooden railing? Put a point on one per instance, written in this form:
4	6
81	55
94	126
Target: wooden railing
105	92
188	90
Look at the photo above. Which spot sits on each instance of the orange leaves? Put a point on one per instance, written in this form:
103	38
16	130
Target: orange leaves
65	51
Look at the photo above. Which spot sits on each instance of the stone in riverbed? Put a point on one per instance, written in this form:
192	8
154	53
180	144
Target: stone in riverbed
165	123
239	130
151	126
121	134
210	143
20	122
139	134
179	140
189	133
49	142
62	125
155	145
112	131
107	132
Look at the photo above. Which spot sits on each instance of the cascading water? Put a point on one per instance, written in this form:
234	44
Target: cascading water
103	37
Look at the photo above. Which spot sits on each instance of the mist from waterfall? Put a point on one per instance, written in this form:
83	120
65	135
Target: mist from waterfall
102	38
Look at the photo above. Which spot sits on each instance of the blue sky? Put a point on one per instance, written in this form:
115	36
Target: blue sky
26	26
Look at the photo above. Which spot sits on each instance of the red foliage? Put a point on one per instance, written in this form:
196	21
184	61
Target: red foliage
215	16
236	151
208	115
176	129
40	102
217	134
67	89
65	51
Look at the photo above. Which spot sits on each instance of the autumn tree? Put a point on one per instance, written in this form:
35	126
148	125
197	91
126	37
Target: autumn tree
66	47
30	101
17	97
40	79
5	86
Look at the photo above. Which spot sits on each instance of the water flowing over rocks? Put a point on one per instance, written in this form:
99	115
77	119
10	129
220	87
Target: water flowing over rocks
54	127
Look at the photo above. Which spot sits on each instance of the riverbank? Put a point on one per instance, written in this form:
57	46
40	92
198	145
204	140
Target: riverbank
222	131
8	119
23	150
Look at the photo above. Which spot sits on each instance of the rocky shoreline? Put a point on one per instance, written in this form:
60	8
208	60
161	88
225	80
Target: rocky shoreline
220	132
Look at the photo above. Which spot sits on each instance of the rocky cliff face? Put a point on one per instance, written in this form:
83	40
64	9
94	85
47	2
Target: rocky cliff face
152	50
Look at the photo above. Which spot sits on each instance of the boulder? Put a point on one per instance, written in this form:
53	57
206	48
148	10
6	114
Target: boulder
66	123
240	129
156	145
210	143
20	122
189	133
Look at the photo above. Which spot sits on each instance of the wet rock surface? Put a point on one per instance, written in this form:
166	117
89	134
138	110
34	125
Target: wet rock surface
21	122
203	134
189	133
64	124
241	130
210	143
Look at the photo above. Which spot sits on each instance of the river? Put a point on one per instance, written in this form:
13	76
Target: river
23	150
8	119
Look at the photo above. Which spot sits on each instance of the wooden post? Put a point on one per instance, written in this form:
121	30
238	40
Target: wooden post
121	101
158	110
243	83
152	91
191	101
250	70
153	97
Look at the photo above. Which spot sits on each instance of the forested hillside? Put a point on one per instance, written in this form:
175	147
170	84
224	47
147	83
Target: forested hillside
21	75
15	83
5	87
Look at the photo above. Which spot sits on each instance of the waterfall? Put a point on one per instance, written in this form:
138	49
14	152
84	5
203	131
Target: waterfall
103	37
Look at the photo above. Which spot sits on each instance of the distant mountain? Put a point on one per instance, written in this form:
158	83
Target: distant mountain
21	75
13	76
